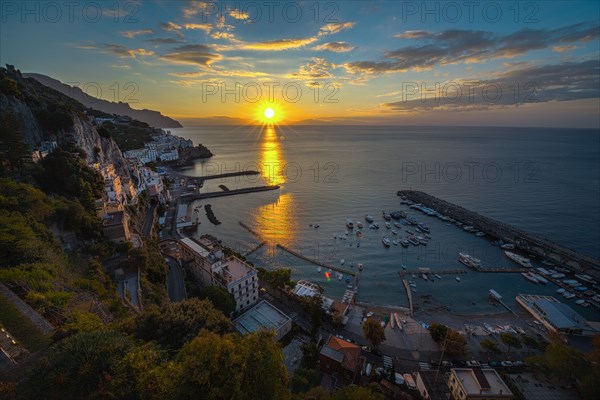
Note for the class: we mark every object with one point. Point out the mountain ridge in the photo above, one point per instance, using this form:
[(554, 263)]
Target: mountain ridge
[(151, 117)]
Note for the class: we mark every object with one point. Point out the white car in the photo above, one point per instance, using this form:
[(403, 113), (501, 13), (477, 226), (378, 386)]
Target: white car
[(506, 363)]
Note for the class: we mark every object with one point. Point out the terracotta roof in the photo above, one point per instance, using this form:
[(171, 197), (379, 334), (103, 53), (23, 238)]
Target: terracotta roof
[(350, 351)]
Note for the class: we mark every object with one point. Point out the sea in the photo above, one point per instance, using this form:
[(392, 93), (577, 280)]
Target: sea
[(545, 181)]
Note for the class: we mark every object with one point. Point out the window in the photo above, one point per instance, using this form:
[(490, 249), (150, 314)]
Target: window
[(254, 298), (248, 302), (240, 286)]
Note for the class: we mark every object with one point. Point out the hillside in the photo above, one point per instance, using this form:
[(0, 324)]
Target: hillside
[(151, 117)]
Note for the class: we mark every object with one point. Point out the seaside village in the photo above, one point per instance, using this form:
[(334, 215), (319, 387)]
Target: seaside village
[(345, 356)]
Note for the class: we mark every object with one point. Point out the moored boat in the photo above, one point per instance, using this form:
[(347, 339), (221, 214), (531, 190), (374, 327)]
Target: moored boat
[(530, 277), (469, 260), (349, 224), (386, 242), (368, 218), (522, 261)]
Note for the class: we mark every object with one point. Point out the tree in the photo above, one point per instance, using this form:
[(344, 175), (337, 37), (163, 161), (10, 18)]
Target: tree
[(303, 380), (352, 392), (530, 342), (373, 332), (175, 324), (455, 343), (80, 366), (312, 305), (489, 345), (510, 340), (219, 297), (232, 367), (438, 332)]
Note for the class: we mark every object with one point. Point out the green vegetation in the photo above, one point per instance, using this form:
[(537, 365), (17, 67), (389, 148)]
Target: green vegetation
[(277, 278), (175, 324), (489, 345), (511, 341), (128, 137), (453, 343), (21, 327), (223, 300), (373, 332), (562, 362)]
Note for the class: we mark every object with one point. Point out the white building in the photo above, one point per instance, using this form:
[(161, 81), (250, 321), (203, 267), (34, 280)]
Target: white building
[(169, 155), (477, 383)]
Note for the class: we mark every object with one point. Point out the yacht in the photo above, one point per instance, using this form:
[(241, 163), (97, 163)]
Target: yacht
[(422, 240), (469, 260), (368, 218), (394, 232), (386, 216), (424, 276), (404, 242), (522, 261), (386, 242), (560, 291), (388, 225), (540, 278), (585, 278), (557, 276), (507, 246), (424, 228), (395, 242), (579, 302), (438, 276), (413, 241), (480, 234), (568, 295), (349, 224), (457, 279), (530, 277)]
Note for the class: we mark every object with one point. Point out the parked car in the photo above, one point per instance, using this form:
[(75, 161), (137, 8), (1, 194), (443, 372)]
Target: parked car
[(399, 379), (447, 363), (518, 364), (473, 363), (506, 363), (367, 349)]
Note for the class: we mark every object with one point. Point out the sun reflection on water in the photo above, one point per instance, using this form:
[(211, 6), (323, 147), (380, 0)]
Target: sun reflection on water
[(275, 221)]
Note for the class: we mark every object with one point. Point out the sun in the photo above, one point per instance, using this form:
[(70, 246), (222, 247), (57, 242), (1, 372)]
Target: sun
[(269, 113)]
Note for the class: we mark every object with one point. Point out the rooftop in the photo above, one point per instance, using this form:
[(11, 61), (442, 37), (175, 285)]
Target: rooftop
[(195, 246), (481, 381), (113, 218), (559, 315), (234, 269), (262, 315), (350, 352)]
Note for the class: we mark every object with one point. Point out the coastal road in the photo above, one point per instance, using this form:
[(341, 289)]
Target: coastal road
[(149, 221), (175, 281)]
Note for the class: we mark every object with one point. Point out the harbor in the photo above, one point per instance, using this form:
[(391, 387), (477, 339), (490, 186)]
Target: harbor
[(536, 246)]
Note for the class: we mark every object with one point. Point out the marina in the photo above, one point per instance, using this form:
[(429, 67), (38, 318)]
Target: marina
[(522, 240)]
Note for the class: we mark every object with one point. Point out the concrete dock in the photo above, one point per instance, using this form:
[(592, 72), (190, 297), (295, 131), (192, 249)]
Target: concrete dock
[(207, 195), (531, 244)]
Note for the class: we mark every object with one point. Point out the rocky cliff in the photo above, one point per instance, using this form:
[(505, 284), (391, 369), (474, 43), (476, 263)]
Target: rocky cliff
[(45, 114), (151, 117)]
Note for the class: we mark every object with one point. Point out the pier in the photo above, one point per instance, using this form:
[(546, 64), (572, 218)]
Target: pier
[(252, 231), (319, 263), (430, 272), (409, 295), (524, 241), (255, 248), (501, 269), (207, 195)]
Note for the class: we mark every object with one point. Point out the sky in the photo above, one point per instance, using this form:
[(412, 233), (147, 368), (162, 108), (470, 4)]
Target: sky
[(388, 62)]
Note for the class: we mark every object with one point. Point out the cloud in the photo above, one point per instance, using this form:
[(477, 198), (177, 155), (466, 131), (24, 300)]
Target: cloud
[(194, 7), (170, 26), (239, 15), (119, 50), (336, 47), (468, 46), (561, 49), (293, 43), (529, 84), (132, 34), (204, 27), (165, 40), (192, 54), (333, 28), (220, 73), (279, 44)]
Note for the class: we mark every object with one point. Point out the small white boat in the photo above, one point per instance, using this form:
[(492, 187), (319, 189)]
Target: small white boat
[(568, 295), (424, 276), (457, 279), (394, 232), (404, 267), (388, 225), (438, 276), (368, 218), (386, 242), (507, 246), (395, 242), (342, 261), (319, 269), (560, 291), (392, 321), (360, 267), (530, 277)]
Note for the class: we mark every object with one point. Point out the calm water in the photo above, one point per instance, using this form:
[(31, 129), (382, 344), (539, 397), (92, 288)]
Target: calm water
[(545, 181)]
